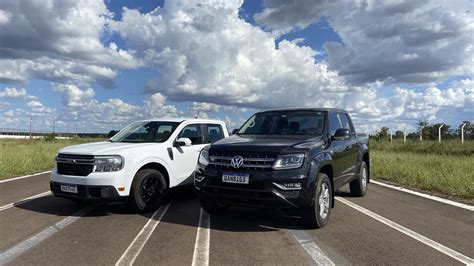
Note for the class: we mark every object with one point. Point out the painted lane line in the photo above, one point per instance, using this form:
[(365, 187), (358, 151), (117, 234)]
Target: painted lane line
[(134, 249), (441, 248), (31, 242), (315, 252), (8, 206), (21, 177), (201, 247), (427, 196)]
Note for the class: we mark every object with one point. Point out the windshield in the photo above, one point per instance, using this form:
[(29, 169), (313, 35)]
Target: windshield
[(146, 131), (285, 123)]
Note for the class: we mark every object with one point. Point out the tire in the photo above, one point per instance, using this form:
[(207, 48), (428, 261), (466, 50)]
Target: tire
[(317, 215), (213, 206), (359, 185), (147, 191)]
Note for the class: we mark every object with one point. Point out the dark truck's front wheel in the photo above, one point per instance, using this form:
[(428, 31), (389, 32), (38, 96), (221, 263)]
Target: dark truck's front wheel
[(317, 215)]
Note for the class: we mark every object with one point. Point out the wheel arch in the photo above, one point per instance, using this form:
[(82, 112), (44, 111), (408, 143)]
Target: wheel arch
[(322, 163), (157, 166)]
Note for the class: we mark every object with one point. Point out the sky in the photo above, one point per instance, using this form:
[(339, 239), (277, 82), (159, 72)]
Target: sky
[(93, 66)]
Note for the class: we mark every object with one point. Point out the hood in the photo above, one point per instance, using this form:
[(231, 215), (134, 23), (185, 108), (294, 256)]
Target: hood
[(267, 143), (103, 148)]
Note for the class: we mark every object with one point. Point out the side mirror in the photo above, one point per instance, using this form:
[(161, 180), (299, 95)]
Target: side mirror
[(183, 142), (341, 134), (235, 131)]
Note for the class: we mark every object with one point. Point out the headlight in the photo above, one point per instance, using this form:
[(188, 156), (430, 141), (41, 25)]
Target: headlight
[(108, 163), (288, 161), (204, 157)]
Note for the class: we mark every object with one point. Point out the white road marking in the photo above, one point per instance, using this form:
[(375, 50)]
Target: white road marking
[(132, 252), (201, 247), (305, 240), (441, 248), (8, 206), (31, 242), (21, 177), (450, 202)]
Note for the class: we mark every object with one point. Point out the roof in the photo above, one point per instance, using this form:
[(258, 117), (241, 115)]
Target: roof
[(179, 120), (304, 109)]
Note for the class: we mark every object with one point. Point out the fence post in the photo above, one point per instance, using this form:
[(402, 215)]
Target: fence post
[(405, 135), (462, 133), (390, 136), (421, 133), (439, 133)]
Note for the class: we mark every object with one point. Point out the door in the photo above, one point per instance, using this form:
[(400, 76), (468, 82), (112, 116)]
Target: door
[(338, 151), (351, 148), (185, 157)]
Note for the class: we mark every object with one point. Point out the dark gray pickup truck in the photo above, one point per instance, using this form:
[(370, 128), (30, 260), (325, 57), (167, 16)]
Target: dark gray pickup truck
[(285, 158)]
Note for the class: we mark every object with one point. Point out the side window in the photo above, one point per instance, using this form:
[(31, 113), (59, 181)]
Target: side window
[(343, 119), (334, 123), (192, 132), (214, 132), (349, 121)]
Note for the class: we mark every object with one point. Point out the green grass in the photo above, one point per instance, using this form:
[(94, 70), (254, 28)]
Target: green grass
[(446, 168), (24, 156)]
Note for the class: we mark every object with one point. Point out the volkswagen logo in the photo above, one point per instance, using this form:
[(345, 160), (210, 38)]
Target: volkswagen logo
[(237, 161)]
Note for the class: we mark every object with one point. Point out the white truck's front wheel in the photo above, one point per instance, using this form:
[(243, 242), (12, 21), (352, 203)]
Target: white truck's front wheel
[(148, 190)]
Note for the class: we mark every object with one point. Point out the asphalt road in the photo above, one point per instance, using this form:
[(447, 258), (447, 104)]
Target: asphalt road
[(385, 227)]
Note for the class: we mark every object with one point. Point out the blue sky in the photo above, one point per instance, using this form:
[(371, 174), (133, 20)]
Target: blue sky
[(228, 59)]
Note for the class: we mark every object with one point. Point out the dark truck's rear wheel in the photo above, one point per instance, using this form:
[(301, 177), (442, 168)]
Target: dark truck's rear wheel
[(213, 206), (359, 186), (317, 215), (148, 190)]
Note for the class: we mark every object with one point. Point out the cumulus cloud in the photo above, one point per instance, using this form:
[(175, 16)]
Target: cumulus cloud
[(58, 41), (416, 42), (14, 93), (206, 53)]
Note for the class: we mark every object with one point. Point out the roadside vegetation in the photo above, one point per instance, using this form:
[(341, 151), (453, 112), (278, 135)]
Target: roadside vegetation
[(26, 156), (443, 168)]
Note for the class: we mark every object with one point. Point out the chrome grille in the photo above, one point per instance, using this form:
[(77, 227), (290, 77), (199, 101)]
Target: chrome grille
[(251, 161)]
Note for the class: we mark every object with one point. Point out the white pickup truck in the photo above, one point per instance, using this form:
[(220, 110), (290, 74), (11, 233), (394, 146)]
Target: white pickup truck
[(137, 165)]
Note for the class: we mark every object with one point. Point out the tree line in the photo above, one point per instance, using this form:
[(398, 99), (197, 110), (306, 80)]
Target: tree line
[(430, 131)]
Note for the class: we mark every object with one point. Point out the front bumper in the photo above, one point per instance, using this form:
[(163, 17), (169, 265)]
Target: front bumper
[(89, 193), (262, 190), (103, 179)]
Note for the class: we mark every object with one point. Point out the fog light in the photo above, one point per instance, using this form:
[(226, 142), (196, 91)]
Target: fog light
[(199, 177), (288, 185)]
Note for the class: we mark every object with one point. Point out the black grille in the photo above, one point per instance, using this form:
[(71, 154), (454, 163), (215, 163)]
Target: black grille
[(252, 160), (72, 164)]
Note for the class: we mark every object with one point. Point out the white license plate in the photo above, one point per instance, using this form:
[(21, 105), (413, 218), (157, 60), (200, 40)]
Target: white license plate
[(69, 188), (237, 178)]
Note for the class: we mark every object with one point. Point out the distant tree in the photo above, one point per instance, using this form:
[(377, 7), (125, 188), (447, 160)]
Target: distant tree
[(424, 128), (468, 130), (383, 133), (112, 133), (399, 134)]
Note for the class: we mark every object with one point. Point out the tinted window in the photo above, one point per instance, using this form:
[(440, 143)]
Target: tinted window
[(145, 131), (192, 132), (334, 123), (285, 123), (351, 126), (344, 122), (214, 132)]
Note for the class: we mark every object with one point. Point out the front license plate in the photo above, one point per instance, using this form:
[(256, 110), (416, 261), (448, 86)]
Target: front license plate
[(69, 188), (237, 178)]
